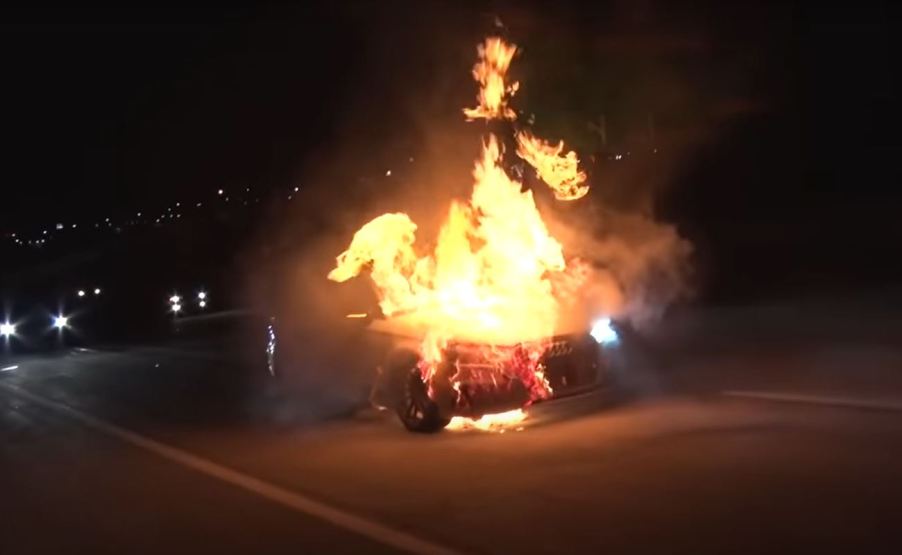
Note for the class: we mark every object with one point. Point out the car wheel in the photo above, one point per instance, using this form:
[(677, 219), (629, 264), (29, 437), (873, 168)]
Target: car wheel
[(416, 410)]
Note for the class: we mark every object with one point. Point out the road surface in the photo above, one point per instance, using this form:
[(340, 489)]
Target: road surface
[(734, 449)]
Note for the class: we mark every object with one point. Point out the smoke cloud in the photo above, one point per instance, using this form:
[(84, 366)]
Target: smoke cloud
[(634, 267)]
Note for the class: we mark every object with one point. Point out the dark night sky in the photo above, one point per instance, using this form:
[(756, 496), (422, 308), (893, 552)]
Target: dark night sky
[(108, 110), (105, 109)]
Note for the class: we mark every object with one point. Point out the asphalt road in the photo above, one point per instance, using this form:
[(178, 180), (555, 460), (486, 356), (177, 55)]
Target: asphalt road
[(788, 446)]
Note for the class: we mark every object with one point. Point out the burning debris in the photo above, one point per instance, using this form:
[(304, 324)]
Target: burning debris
[(498, 422), (489, 297)]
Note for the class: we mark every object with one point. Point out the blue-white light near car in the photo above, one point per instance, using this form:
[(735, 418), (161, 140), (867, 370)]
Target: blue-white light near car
[(60, 321), (603, 331), (271, 347), (7, 329)]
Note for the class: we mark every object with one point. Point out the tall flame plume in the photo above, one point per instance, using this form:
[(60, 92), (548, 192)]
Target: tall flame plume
[(490, 71)]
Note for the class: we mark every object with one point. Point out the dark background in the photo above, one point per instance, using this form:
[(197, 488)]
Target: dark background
[(775, 129)]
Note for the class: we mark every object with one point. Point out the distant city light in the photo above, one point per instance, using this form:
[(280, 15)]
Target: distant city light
[(176, 308), (175, 299), (388, 173), (81, 292), (59, 226), (296, 189), (7, 329), (202, 304), (60, 321), (219, 192), (202, 295), (97, 290)]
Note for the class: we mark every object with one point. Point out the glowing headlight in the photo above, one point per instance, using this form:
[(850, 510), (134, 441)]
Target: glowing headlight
[(202, 295), (176, 307), (81, 292), (7, 329), (202, 304), (603, 331), (60, 322), (175, 299)]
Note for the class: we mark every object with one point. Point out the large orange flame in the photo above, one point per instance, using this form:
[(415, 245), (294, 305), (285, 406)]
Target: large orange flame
[(560, 172), (488, 279), (490, 71)]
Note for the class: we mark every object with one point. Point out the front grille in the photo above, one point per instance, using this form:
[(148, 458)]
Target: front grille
[(558, 349)]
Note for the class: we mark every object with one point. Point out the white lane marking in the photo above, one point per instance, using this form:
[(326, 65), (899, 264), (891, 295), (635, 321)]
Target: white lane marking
[(8, 368), (357, 524), (845, 402)]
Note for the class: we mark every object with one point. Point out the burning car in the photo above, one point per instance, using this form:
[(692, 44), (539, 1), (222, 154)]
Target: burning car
[(482, 321), (484, 385)]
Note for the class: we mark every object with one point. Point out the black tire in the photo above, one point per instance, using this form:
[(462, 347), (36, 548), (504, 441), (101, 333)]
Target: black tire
[(416, 410)]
